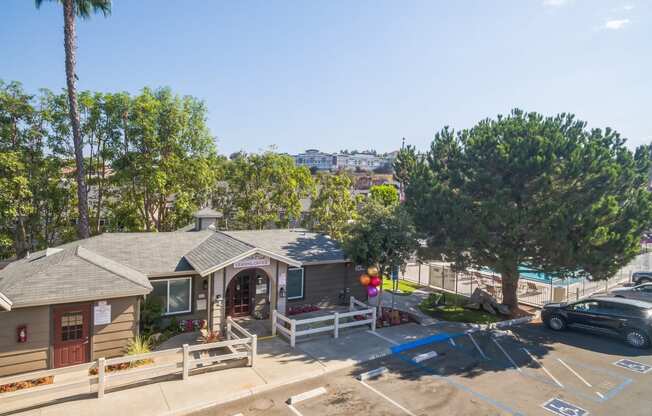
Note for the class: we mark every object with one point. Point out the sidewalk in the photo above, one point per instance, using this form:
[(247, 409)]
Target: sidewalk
[(409, 303), (276, 365)]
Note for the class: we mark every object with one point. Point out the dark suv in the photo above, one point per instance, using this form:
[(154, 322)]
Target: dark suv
[(641, 277), (628, 319)]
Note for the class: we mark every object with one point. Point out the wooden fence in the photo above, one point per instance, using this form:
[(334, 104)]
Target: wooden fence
[(96, 377), (291, 328)]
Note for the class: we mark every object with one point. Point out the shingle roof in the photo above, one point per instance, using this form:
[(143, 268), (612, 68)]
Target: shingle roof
[(73, 274), (215, 250), (297, 244), (148, 253)]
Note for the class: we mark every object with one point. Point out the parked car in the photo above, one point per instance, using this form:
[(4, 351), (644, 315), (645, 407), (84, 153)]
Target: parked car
[(641, 277), (628, 319), (640, 292)]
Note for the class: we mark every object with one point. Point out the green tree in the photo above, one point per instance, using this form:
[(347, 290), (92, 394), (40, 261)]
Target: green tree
[(334, 206), (385, 194), (168, 164), (71, 10), (383, 236), (405, 162), (15, 205), (267, 188), (527, 190)]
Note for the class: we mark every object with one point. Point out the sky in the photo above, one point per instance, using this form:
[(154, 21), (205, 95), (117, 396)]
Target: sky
[(343, 74)]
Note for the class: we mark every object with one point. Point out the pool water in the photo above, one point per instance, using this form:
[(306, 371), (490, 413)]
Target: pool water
[(540, 277)]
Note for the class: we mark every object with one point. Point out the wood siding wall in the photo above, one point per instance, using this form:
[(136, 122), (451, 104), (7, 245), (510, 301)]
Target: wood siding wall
[(32, 355), (111, 340), (324, 283)]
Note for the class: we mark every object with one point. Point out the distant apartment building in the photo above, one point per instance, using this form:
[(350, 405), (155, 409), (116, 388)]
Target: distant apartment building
[(315, 159)]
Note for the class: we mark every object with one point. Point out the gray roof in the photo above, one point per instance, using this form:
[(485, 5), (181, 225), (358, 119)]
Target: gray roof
[(297, 244), (215, 250), (118, 264), (73, 274), (148, 253)]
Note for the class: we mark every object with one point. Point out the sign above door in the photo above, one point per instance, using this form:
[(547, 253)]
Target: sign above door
[(255, 260)]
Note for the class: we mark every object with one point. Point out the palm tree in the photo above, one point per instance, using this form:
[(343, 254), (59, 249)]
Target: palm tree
[(72, 9)]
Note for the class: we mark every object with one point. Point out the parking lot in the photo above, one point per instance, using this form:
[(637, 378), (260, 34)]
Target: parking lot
[(527, 370)]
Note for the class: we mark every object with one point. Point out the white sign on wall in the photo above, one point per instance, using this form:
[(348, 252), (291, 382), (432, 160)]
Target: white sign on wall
[(255, 260), (102, 313)]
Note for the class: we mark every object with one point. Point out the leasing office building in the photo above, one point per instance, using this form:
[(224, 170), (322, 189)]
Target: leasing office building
[(80, 301)]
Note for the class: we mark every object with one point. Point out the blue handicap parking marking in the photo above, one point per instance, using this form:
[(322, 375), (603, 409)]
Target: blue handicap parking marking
[(633, 366), (562, 408)]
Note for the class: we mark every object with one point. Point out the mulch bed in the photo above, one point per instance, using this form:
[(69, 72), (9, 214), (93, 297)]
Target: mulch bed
[(6, 388), (122, 366)]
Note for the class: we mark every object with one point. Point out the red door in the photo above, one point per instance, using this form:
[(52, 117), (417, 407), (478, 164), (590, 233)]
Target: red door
[(238, 296), (71, 335)]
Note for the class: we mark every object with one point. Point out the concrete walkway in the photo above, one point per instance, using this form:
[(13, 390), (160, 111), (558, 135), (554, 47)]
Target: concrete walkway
[(409, 303), (276, 365)]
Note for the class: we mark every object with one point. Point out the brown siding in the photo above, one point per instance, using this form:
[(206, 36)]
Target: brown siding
[(323, 284), (111, 340), (32, 355)]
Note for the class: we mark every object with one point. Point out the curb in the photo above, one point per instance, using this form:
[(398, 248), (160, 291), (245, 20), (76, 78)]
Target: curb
[(266, 387)]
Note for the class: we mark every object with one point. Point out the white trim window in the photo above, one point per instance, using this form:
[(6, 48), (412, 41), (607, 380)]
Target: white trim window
[(295, 283), (175, 294)]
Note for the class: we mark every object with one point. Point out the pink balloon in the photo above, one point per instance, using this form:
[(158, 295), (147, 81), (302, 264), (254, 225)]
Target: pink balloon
[(372, 291), (375, 281)]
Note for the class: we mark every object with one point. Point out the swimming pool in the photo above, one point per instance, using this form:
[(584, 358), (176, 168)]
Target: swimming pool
[(540, 277)]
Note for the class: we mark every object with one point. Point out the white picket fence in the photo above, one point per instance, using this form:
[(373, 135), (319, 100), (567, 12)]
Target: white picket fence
[(77, 380), (332, 322)]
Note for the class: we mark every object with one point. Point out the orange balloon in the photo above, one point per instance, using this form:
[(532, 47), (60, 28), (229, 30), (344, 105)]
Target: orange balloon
[(364, 279), (372, 271)]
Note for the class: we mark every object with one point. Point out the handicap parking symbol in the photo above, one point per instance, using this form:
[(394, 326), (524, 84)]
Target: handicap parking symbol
[(634, 366), (562, 408)]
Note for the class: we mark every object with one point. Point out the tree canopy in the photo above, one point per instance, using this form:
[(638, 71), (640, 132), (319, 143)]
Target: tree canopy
[(334, 206), (382, 236), (523, 189), (384, 194)]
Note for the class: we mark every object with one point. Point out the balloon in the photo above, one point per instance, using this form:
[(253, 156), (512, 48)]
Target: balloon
[(372, 271), (364, 280), (375, 281), (372, 291)]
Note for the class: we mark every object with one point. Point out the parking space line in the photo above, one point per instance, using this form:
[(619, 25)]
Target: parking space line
[(574, 372), (389, 399), (477, 346), (507, 355), (543, 368), (452, 342), (294, 410), (391, 341)]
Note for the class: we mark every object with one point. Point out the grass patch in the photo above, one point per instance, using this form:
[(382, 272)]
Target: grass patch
[(448, 307), (404, 287)]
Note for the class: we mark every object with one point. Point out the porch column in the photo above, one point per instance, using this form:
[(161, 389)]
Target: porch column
[(218, 300)]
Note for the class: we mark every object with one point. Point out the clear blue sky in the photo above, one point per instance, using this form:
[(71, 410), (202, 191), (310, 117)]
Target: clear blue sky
[(353, 74)]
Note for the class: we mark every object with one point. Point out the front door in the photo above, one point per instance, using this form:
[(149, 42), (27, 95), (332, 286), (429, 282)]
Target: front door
[(238, 296), (71, 334)]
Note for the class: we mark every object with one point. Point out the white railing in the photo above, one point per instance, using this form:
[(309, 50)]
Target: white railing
[(239, 344), (332, 322)]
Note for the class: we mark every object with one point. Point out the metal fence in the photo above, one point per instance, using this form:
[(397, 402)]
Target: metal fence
[(440, 276)]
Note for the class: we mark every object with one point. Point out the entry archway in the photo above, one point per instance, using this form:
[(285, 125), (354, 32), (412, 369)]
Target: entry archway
[(248, 294)]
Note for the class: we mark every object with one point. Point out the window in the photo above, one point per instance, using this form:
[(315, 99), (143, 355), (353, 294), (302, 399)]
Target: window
[(295, 283), (72, 324), (589, 306), (174, 294)]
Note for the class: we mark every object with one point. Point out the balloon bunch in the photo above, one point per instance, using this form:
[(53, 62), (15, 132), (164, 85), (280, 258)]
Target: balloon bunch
[(371, 280)]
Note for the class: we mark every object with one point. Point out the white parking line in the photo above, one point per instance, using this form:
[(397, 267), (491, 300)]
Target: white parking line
[(543, 368), (507, 355), (407, 411), (391, 341), (425, 356), (477, 346), (452, 341), (574, 372), (303, 396)]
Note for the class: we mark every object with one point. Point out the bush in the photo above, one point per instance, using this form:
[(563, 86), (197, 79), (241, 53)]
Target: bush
[(151, 315)]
